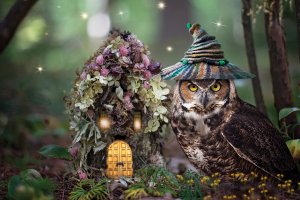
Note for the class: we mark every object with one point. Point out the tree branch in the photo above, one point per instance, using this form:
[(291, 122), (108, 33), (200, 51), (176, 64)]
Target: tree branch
[(12, 20), (297, 8), (249, 43)]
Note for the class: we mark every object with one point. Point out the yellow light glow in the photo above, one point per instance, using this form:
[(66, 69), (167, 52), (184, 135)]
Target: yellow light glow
[(39, 68), (169, 48), (104, 122), (84, 15), (137, 121), (161, 5), (218, 24)]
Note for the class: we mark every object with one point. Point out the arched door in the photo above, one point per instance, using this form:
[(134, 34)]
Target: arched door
[(119, 160)]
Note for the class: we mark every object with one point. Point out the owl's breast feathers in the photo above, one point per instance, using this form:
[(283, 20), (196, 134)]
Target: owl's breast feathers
[(238, 139), (255, 139)]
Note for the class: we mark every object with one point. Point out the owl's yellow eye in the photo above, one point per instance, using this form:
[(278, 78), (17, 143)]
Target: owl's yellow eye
[(193, 87), (216, 87)]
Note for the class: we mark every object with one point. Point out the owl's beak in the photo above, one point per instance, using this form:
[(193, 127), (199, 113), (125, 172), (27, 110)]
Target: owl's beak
[(204, 100)]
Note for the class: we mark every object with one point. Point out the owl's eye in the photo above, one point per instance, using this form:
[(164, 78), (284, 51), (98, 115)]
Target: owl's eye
[(193, 87), (216, 87)]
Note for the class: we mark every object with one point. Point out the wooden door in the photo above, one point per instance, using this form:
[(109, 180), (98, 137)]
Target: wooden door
[(119, 160)]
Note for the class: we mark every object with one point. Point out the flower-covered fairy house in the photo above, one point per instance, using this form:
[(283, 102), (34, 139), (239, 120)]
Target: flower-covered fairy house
[(118, 107)]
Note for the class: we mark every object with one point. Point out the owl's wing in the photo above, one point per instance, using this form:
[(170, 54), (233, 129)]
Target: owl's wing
[(255, 139)]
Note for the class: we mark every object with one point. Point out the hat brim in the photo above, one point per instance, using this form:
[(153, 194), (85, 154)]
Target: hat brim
[(202, 70)]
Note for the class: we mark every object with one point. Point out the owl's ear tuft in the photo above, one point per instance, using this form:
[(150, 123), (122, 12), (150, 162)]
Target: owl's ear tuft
[(232, 94)]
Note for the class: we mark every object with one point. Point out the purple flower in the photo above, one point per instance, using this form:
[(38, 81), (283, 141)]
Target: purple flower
[(123, 51), (83, 75), (88, 66), (117, 70), (95, 67), (139, 66), (100, 60), (146, 60), (154, 67), (104, 72), (147, 74), (106, 51), (82, 175), (146, 85)]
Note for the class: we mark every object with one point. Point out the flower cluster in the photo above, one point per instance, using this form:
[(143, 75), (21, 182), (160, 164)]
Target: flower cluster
[(125, 54)]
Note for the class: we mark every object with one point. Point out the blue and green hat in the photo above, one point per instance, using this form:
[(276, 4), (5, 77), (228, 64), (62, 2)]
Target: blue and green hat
[(203, 60)]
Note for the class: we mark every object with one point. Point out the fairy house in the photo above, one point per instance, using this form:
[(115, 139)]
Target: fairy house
[(118, 107)]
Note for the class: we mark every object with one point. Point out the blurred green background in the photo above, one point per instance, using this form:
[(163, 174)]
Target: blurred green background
[(55, 39)]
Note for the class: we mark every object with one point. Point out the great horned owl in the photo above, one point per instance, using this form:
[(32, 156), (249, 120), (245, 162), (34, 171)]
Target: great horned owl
[(221, 133)]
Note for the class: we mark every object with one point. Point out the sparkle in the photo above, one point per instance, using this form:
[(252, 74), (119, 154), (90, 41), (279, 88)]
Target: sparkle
[(58, 6), (84, 15), (121, 13), (46, 33), (169, 48), (218, 24), (161, 5), (39, 68)]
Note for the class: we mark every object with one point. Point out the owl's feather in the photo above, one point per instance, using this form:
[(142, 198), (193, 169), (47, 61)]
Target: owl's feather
[(255, 139)]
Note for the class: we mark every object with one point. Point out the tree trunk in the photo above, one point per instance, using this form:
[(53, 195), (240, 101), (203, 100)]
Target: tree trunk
[(279, 62), (14, 17), (246, 21), (297, 8)]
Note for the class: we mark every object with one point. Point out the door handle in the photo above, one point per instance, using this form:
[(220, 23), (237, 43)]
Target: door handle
[(120, 163)]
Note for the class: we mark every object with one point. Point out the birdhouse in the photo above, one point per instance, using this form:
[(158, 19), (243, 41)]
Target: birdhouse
[(118, 107)]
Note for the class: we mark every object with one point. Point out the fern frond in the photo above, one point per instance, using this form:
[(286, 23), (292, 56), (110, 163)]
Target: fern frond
[(87, 190)]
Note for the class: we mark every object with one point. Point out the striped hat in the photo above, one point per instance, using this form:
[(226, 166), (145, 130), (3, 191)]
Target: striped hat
[(203, 60)]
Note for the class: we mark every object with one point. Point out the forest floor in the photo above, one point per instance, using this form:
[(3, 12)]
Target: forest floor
[(24, 155)]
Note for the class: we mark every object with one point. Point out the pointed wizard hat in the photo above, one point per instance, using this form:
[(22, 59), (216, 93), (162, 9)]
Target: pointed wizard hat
[(203, 60)]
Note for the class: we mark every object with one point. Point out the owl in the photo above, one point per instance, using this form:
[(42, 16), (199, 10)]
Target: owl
[(219, 132)]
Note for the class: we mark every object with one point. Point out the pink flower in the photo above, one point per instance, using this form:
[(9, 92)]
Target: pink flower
[(104, 72), (146, 85), (82, 174), (83, 75), (127, 101), (74, 150), (90, 113), (123, 51), (146, 60), (129, 106), (100, 60), (147, 74), (127, 98)]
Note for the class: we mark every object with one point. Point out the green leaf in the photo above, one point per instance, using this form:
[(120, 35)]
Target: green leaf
[(100, 145), (162, 109), (287, 111), (119, 93), (294, 147), (55, 151), (13, 183)]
